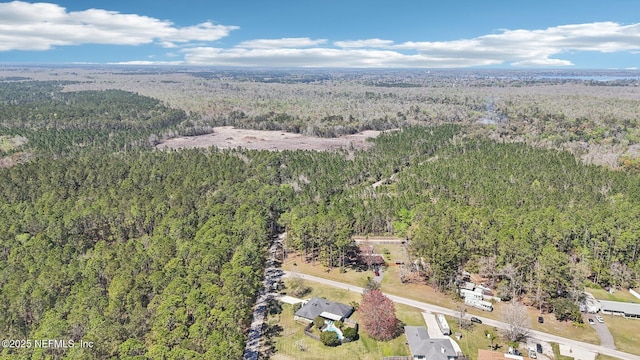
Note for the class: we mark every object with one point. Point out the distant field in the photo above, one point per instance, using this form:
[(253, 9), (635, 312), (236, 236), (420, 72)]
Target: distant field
[(228, 137)]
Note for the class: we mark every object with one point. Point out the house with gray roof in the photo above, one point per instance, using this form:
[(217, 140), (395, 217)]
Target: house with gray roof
[(323, 308), (626, 309), (423, 347)]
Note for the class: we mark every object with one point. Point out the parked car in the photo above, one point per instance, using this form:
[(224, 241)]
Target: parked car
[(514, 351), (540, 319), (476, 320), (600, 319), (532, 354), (539, 348), (591, 322)]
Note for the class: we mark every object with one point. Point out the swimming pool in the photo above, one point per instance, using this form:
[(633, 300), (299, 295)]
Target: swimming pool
[(331, 327)]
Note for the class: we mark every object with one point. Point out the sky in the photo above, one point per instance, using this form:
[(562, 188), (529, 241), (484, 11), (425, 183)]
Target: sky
[(566, 34)]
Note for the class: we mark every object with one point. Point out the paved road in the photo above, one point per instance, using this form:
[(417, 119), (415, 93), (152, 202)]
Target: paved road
[(271, 276), (434, 308)]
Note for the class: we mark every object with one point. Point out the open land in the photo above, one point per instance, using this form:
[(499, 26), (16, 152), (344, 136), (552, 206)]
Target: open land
[(228, 137)]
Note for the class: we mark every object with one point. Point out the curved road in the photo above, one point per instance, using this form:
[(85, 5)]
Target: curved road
[(434, 308)]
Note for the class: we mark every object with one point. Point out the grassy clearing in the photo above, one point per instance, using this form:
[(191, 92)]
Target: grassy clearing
[(295, 263), (625, 333), (618, 295), (580, 332), (10, 143)]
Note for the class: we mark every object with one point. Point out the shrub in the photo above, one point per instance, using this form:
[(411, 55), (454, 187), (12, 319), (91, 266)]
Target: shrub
[(318, 322), (565, 309), (350, 333), (296, 307), (329, 338)]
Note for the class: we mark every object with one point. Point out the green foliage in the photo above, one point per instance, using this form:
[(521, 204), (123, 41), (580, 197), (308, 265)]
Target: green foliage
[(350, 333), (162, 253), (296, 307), (566, 310), (61, 123), (329, 338), (354, 304), (318, 322)]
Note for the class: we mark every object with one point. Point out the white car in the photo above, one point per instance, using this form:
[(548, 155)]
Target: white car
[(532, 354), (600, 319)]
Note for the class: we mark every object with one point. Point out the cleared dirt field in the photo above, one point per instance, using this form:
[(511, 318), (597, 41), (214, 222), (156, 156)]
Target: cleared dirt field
[(229, 137)]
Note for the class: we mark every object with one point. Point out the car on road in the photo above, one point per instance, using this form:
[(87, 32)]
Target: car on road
[(600, 319), (539, 348), (476, 320), (591, 322)]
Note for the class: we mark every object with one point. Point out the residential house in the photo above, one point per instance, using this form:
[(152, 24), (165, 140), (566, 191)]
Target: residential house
[(324, 308), (423, 347)]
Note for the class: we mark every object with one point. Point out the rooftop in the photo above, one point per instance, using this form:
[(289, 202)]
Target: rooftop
[(323, 307), (621, 307), (422, 345)]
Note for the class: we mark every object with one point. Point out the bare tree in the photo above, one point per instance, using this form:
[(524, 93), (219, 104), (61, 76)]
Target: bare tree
[(518, 322), (488, 268), (510, 272)]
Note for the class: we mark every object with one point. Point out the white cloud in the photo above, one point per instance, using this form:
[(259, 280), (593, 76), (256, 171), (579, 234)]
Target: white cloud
[(42, 26), (520, 47), (319, 57), (368, 43), (280, 43)]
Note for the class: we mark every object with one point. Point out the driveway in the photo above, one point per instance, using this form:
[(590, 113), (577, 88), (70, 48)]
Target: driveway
[(606, 339)]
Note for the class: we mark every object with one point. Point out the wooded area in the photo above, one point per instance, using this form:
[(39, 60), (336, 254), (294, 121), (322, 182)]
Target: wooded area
[(160, 253)]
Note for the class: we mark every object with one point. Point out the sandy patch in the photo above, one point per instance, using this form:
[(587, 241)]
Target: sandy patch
[(227, 137)]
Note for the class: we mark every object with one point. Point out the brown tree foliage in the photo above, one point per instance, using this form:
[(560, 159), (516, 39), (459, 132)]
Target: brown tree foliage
[(378, 315)]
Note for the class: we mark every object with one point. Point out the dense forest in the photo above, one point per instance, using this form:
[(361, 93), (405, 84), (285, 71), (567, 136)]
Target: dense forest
[(159, 254)]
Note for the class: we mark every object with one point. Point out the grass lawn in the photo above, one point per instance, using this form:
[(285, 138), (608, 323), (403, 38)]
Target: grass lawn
[(474, 338), (618, 295), (625, 333), (580, 332), (605, 357), (556, 351)]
